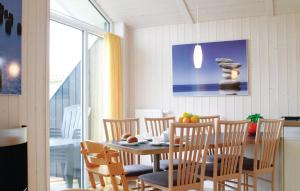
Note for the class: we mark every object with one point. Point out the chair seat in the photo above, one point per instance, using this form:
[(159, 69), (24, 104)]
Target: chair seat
[(159, 178), (137, 169), (209, 171), (210, 158), (249, 164), (164, 164)]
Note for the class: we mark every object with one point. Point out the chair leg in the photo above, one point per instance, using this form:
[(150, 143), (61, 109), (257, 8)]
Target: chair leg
[(247, 182), (142, 185), (137, 183), (92, 180), (273, 181), (221, 187), (124, 183), (102, 182), (254, 183), (215, 186), (238, 184), (114, 183)]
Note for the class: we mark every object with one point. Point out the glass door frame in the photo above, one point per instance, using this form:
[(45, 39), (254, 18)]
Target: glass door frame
[(86, 30)]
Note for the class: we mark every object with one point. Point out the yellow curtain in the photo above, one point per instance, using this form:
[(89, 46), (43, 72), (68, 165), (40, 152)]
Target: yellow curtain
[(114, 76)]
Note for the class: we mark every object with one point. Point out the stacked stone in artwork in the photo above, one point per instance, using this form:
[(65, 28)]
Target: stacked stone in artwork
[(230, 72)]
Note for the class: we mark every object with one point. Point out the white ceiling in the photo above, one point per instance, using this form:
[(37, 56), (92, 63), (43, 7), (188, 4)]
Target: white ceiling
[(147, 13)]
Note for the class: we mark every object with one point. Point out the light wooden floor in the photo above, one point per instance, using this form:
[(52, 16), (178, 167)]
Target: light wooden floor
[(58, 184)]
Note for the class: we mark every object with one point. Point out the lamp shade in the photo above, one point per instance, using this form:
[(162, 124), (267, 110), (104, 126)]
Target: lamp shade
[(198, 56)]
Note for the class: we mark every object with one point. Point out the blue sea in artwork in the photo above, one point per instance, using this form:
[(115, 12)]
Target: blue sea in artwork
[(206, 89), (10, 46), (223, 72)]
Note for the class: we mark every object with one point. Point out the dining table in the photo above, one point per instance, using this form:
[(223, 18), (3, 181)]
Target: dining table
[(156, 150)]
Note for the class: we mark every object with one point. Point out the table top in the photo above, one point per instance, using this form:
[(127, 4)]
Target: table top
[(140, 149), (147, 148)]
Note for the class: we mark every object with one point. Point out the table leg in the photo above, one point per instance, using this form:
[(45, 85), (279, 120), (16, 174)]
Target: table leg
[(156, 161)]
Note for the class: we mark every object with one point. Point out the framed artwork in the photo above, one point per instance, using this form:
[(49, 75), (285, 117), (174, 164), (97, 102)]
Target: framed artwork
[(10, 46), (220, 68)]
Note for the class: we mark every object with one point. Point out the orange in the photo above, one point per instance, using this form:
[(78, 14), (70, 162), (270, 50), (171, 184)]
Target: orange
[(180, 120), (186, 120), (194, 119)]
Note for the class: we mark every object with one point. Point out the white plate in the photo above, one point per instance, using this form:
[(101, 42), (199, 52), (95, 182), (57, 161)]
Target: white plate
[(143, 142), (155, 144), (125, 143), (168, 143)]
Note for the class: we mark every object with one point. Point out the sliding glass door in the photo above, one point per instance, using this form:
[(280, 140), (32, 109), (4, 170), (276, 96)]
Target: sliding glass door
[(66, 48), (75, 94)]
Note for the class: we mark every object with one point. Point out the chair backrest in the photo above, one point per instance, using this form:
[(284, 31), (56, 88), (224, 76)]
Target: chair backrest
[(90, 148), (72, 122), (266, 142), (192, 153), (96, 154), (115, 128), (231, 145), (209, 119), (155, 126)]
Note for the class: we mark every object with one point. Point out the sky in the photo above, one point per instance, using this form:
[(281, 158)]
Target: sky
[(210, 73), (10, 47)]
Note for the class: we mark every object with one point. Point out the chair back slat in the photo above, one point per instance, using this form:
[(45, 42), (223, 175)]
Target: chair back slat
[(266, 142), (193, 149), (231, 145), (155, 127), (115, 128)]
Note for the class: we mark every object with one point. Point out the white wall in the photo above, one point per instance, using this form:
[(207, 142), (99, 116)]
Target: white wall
[(274, 67), (31, 108)]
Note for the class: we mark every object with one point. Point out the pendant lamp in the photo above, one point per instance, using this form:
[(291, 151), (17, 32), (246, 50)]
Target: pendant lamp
[(198, 55)]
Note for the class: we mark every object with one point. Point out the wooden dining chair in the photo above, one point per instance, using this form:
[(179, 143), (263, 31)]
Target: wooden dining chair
[(229, 152), (192, 152), (103, 162), (155, 127), (114, 129), (267, 141)]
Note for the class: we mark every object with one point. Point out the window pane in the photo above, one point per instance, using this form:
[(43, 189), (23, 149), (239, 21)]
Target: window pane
[(82, 10), (65, 106)]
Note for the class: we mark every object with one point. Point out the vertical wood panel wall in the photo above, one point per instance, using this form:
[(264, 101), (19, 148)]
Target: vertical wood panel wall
[(273, 63), (31, 108)]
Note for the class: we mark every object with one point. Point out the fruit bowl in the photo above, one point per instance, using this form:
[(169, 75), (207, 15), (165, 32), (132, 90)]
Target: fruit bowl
[(188, 118)]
